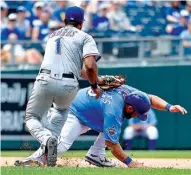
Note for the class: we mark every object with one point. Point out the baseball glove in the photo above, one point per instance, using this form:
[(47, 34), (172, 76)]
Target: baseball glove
[(107, 82)]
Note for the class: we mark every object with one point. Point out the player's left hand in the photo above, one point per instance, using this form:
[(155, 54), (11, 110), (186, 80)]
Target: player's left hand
[(97, 91), (178, 108)]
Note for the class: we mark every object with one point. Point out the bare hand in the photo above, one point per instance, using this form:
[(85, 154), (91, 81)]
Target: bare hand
[(178, 108), (135, 164), (97, 91)]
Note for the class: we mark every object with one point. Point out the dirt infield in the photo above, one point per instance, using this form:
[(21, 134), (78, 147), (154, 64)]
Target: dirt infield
[(80, 162)]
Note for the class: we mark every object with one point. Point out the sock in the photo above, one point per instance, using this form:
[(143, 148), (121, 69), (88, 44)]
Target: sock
[(152, 145), (128, 144), (99, 146)]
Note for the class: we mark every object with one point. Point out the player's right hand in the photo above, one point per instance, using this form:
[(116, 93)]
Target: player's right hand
[(97, 91), (178, 108)]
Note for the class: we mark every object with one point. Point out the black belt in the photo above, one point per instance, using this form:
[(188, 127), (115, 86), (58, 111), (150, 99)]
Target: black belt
[(46, 71)]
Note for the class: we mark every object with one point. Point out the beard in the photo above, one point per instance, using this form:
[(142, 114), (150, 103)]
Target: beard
[(127, 115)]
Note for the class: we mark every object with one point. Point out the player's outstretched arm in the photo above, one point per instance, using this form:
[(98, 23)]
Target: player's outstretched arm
[(92, 74), (118, 152), (160, 104)]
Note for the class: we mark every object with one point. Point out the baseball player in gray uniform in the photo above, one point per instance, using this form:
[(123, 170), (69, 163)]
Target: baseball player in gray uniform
[(57, 83)]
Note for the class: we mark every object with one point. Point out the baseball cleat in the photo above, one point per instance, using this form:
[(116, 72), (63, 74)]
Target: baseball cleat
[(99, 161), (51, 151), (31, 163)]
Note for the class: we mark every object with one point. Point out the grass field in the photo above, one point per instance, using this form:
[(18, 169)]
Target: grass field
[(99, 171), (91, 171), (135, 154)]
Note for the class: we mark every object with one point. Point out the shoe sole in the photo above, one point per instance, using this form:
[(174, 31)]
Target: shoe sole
[(51, 152), (94, 162), (31, 163)]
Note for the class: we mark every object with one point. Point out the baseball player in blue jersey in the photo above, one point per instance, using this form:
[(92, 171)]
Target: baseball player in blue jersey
[(106, 115)]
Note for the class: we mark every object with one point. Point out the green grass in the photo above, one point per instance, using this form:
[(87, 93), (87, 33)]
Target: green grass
[(135, 154), (91, 171)]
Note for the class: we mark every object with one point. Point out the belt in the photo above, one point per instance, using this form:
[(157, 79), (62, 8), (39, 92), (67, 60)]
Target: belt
[(46, 71)]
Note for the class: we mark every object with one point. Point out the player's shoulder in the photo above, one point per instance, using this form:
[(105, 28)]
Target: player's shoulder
[(84, 34), (128, 89)]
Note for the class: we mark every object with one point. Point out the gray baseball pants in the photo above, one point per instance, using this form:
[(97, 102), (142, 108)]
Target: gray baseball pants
[(48, 90)]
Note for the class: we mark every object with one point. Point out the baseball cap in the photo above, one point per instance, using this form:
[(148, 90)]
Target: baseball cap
[(39, 4), (21, 9), (140, 102), (103, 5), (74, 14), (12, 17), (3, 5)]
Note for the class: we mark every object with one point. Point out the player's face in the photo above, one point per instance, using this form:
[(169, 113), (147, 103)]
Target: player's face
[(129, 112)]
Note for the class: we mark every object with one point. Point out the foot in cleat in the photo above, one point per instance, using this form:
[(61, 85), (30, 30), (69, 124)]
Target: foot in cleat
[(31, 163), (99, 161), (51, 151)]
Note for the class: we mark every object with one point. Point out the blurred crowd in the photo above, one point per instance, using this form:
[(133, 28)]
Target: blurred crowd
[(34, 20)]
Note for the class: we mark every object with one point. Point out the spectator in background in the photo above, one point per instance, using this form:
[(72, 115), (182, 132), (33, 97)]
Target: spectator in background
[(186, 36), (118, 19), (3, 17), (11, 28), (87, 15), (20, 55), (59, 14), (139, 128), (35, 17), (22, 23), (188, 8), (40, 31), (177, 29), (18, 51), (29, 5), (100, 20), (173, 12)]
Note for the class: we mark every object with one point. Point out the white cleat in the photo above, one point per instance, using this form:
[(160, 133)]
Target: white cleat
[(99, 161)]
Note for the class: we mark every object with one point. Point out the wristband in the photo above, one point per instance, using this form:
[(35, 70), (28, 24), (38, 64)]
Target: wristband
[(167, 107), (127, 161), (94, 86)]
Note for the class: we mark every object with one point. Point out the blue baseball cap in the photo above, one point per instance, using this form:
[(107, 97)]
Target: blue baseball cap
[(74, 14), (140, 102)]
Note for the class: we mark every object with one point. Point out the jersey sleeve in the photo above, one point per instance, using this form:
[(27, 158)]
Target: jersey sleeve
[(113, 118), (112, 128), (90, 48)]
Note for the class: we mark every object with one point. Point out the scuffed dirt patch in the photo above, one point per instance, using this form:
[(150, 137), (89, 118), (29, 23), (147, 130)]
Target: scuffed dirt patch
[(80, 162)]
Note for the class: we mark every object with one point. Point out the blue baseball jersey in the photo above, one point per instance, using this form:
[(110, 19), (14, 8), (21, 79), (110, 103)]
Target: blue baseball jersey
[(104, 114), (178, 29), (6, 32), (100, 22), (43, 31)]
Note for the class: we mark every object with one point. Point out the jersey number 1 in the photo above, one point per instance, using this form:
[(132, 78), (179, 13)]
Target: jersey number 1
[(58, 46)]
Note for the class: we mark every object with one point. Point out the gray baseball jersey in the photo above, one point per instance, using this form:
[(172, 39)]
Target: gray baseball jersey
[(64, 53), (66, 49)]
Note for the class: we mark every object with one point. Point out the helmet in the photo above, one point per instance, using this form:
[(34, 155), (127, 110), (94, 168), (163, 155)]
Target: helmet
[(140, 102)]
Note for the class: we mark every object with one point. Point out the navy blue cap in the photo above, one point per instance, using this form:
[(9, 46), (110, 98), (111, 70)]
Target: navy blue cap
[(21, 9), (140, 102), (74, 14)]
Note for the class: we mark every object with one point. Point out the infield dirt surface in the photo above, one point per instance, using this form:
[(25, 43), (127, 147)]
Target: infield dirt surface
[(80, 162)]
